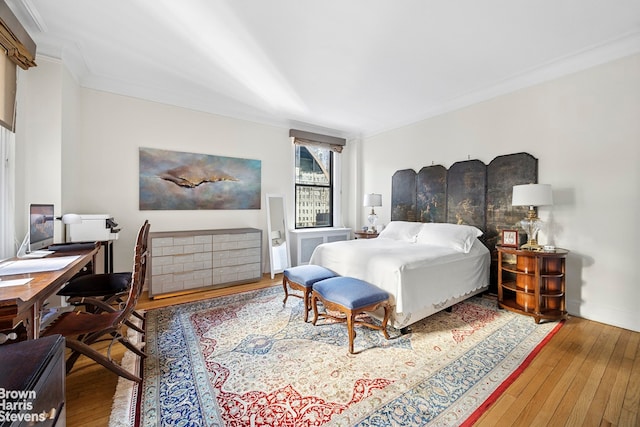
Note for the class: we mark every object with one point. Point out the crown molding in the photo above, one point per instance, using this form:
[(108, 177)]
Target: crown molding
[(27, 14)]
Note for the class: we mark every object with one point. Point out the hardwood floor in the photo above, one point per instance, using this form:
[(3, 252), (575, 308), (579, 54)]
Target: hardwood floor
[(587, 375)]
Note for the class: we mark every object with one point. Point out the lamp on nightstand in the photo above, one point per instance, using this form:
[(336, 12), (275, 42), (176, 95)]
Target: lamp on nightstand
[(532, 195), (372, 200)]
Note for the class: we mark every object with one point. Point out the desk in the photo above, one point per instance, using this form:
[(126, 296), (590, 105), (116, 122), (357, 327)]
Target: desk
[(23, 303)]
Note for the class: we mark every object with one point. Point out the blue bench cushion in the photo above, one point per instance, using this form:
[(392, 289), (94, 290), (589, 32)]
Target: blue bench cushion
[(307, 275), (350, 292)]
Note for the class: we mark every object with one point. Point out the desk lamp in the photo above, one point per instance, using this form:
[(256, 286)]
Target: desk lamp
[(70, 219), (532, 195)]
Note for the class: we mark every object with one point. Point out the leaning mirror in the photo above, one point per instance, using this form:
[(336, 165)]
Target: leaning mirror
[(277, 233)]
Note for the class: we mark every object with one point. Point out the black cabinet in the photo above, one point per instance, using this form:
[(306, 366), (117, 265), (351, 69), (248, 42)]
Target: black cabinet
[(32, 378)]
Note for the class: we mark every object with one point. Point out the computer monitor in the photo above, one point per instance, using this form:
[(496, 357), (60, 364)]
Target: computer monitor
[(41, 219)]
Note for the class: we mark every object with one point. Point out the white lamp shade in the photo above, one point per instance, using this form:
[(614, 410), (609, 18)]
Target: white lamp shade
[(372, 200), (532, 195)]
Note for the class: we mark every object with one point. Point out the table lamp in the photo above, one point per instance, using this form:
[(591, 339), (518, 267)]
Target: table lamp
[(372, 200), (532, 195)]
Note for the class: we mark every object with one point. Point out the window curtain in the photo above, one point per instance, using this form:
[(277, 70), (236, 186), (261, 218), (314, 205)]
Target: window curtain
[(8, 85), (17, 49), (7, 186), (300, 137), (20, 47)]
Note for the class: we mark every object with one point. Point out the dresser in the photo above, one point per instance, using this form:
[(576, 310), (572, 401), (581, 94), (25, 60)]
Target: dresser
[(189, 261), (32, 383)]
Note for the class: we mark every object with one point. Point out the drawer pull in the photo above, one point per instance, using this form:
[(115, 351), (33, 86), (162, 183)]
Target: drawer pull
[(52, 414), (6, 337)]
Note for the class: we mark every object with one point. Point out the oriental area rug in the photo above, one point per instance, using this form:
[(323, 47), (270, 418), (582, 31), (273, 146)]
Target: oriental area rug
[(245, 360)]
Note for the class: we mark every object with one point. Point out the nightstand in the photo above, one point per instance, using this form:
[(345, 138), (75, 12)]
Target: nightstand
[(532, 282), (365, 234)]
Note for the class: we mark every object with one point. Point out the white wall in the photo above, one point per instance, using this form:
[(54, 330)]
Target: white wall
[(100, 134), (585, 131), (38, 142), (70, 127), (114, 127)]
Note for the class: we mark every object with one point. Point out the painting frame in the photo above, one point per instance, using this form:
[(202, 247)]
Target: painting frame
[(510, 238), (176, 180)]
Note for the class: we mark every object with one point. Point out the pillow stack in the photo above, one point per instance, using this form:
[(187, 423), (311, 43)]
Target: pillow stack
[(459, 237)]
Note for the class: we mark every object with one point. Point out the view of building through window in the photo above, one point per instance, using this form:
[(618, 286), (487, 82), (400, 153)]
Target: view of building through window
[(313, 187)]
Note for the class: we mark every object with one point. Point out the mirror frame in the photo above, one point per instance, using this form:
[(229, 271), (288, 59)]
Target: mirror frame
[(271, 200)]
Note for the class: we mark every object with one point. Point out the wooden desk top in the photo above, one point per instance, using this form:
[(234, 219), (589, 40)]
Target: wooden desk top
[(16, 301)]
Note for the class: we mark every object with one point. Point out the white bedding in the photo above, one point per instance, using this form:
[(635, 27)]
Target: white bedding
[(421, 278)]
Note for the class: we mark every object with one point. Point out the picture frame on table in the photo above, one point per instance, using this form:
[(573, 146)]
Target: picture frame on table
[(510, 238)]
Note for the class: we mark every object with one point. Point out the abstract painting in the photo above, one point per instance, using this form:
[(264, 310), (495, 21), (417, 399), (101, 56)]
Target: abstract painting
[(174, 180)]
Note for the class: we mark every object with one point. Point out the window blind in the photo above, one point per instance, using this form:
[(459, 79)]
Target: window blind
[(20, 48), (16, 49), (300, 137)]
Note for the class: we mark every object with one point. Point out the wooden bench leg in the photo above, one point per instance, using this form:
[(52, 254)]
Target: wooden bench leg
[(307, 301), (352, 333), (314, 304), (286, 291), (350, 315), (306, 295), (385, 320)]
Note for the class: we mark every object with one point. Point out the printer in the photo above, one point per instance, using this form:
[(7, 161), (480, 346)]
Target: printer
[(93, 228)]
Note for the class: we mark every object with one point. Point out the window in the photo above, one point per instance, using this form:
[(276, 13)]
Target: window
[(314, 186), (317, 172)]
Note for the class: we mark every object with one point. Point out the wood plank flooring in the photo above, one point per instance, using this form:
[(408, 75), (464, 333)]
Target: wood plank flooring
[(587, 375)]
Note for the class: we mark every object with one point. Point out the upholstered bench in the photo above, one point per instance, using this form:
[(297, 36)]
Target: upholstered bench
[(351, 297), (302, 278)]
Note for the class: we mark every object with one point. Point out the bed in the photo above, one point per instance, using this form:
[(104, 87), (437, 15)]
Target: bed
[(426, 267), (439, 248)]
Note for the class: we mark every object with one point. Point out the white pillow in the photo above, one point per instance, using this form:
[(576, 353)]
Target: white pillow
[(401, 230), (456, 236)]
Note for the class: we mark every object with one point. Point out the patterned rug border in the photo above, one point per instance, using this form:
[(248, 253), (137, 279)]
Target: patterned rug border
[(511, 379), (127, 401)]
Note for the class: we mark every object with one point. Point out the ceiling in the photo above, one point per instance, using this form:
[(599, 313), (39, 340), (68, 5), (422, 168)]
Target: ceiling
[(349, 68)]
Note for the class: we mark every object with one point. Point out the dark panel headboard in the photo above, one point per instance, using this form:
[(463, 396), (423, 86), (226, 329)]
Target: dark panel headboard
[(469, 192), (403, 195), (431, 190)]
